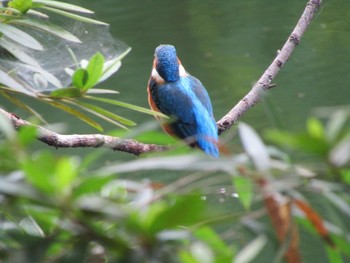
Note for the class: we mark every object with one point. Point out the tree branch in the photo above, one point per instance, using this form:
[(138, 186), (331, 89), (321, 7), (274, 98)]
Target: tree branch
[(84, 140), (134, 147), (264, 83)]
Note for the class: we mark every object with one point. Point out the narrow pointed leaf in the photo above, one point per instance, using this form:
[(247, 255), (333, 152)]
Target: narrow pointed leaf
[(77, 114), (102, 91), (127, 105), (48, 28), (18, 53), (65, 6), (20, 37), (107, 113), (8, 81), (74, 16), (66, 93), (22, 105)]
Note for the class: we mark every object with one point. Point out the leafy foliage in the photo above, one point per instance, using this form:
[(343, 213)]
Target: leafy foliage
[(79, 67), (59, 208)]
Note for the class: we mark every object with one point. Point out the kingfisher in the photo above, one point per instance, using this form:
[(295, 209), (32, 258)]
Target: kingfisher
[(175, 93)]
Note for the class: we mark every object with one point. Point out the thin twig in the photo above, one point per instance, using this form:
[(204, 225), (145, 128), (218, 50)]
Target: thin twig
[(134, 147)]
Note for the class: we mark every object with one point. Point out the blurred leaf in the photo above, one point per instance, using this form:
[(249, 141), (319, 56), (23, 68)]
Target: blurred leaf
[(27, 135), (302, 142), (339, 202), (18, 190), (333, 255), (94, 70), (65, 6), (345, 176), (40, 170), (21, 5), (244, 188), (315, 128), (20, 36), (340, 153), (173, 215), (335, 124), (65, 173), (74, 16), (70, 92), (31, 227), (46, 218), (80, 78), (224, 253), (254, 147), (251, 250), (47, 27)]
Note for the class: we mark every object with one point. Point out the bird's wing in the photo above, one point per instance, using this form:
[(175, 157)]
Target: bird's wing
[(201, 93)]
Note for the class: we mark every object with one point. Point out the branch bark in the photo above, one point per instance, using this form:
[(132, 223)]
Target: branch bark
[(134, 147)]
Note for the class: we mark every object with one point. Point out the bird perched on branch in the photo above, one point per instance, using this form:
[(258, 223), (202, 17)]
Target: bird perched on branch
[(182, 97)]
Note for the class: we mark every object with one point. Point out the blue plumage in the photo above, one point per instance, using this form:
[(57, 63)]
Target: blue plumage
[(175, 93)]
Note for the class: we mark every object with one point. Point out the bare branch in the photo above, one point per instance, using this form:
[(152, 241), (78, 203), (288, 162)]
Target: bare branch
[(85, 140), (137, 148), (264, 83)]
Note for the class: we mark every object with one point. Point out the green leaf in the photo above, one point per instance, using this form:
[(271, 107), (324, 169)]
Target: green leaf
[(27, 135), (244, 188), (77, 114), (65, 6), (66, 93), (173, 214), (66, 172), (21, 5), (334, 255), (315, 128), (48, 28), (127, 105), (80, 77), (39, 171), (74, 16), (20, 37), (94, 69)]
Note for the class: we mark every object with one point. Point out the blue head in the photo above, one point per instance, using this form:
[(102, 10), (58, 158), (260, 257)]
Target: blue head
[(167, 63)]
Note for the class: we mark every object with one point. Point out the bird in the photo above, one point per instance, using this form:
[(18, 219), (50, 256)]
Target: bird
[(183, 98)]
